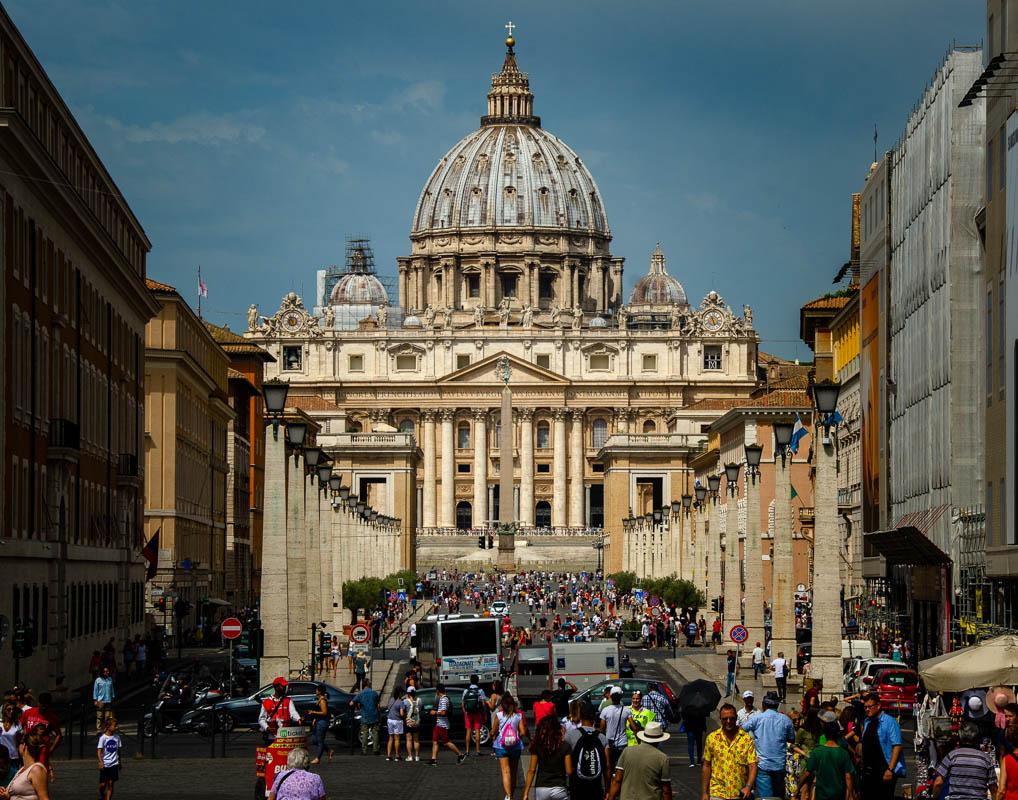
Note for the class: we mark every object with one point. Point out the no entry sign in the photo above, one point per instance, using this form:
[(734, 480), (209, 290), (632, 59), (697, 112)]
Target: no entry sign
[(359, 634), (231, 628), (738, 634)]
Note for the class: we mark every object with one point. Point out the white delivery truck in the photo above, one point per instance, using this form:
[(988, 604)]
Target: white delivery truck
[(583, 664)]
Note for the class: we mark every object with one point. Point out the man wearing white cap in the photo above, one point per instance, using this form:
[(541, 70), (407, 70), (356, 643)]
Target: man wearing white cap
[(642, 771), (748, 710), (614, 720)]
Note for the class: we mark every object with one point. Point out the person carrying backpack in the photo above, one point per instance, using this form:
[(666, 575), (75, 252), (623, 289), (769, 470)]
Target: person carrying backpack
[(508, 729), (474, 715), (590, 777)]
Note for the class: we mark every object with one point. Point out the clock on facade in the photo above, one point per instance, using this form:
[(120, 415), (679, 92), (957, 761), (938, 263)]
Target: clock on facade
[(713, 320)]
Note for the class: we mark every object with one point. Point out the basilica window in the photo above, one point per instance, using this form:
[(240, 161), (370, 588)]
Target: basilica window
[(599, 433), (543, 468), (543, 436), (406, 362), (509, 285), (650, 363), (712, 357), (546, 287), (293, 358), (600, 361), (356, 363), (462, 360), (406, 426), (544, 360), (473, 286), (650, 426), (463, 435), (353, 427)]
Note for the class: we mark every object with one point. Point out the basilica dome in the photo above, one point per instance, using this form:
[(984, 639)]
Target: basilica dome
[(511, 172), (358, 288), (657, 287)]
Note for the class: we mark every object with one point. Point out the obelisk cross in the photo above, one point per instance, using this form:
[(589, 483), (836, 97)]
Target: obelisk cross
[(509, 27)]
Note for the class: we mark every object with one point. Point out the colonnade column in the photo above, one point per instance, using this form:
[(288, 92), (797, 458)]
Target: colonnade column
[(558, 469), (782, 607), (527, 466), (576, 470), (480, 442), (296, 559), (733, 570), (753, 560), (699, 576), (428, 500), (447, 512), (275, 575)]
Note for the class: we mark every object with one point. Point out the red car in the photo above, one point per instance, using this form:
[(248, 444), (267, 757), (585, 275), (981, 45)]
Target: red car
[(897, 688)]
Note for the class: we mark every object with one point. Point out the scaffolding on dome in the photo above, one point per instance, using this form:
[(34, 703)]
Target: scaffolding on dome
[(360, 258)]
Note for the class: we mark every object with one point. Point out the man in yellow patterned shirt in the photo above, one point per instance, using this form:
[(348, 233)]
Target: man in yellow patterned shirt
[(729, 760)]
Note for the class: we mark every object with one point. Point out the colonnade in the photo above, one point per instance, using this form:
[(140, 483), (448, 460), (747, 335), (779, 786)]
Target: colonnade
[(568, 466)]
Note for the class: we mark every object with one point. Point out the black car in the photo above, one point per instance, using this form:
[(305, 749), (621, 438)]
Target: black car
[(243, 712)]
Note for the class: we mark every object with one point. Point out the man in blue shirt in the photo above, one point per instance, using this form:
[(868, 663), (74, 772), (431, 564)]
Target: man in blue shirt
[(102, 695), (772, 732), (366, 703), (882, 763)]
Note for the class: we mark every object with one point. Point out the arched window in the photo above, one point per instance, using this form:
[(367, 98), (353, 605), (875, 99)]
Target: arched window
[(543, 436), (353, 426), (542, 514), (599, 433), (463, 435), (464, 516), (650, 426), (406, 426)]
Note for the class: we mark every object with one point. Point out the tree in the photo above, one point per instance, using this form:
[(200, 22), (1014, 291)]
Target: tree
[(624, 581)]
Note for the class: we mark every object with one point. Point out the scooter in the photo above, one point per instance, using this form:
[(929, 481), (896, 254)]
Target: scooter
[(171, 706)]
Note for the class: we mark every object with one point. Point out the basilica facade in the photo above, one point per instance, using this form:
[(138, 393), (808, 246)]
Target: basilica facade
[(510, 254)]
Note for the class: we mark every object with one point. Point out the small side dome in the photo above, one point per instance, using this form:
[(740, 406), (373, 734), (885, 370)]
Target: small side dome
[(657, 287), (358, 288), (412, 321), (598, 322)]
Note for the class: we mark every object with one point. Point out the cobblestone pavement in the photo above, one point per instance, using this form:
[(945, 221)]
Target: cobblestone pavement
[(346, 777)]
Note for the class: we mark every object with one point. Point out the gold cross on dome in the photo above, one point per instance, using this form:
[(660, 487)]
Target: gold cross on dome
[(509, 27)]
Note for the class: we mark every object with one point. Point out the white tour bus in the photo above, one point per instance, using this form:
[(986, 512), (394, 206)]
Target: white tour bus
[(452, 647)]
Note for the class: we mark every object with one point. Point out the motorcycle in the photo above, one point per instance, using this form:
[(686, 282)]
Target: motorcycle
[(173, 702)]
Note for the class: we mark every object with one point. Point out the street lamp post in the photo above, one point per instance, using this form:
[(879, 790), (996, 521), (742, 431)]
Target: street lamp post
[(826, 657), (754, 565), (733, 572), (713, 537), (782, 580), (700, 542)]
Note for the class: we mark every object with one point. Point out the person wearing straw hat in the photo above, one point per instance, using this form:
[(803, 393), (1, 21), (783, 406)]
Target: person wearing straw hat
[(642, 772)]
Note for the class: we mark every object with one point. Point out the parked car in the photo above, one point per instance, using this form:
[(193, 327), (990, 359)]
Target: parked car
[(868, 670), (629, 685), (499, 608), (457, 728), (897, 688), (243, 712)]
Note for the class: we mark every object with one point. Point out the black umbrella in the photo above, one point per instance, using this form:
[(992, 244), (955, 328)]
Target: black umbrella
[(699, 698)]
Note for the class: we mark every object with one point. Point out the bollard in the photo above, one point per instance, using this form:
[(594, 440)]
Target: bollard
[(156, 721), (141, 734), (222, 741), (212, 732), (81, 734)]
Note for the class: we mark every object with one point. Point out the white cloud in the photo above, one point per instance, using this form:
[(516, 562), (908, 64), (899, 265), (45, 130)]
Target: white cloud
[(420, 96), (388, 137), (199, 128)]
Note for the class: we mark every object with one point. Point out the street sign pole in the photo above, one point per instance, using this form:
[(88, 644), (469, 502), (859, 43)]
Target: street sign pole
[(230, 684)]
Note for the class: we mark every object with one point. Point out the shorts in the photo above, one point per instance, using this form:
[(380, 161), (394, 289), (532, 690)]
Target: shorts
[(395, 727), (551, 793), (473, 720), (508, 752), (440, 735), (109, 774)]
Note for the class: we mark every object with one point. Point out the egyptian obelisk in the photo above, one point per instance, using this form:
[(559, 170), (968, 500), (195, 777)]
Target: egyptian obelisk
[(506, 517)]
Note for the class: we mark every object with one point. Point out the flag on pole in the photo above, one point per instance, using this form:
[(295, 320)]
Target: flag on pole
[(150, 552), (203, 290), (799, 433)]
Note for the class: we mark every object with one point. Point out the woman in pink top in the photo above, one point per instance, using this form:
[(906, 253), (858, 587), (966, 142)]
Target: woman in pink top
[(32, 780)]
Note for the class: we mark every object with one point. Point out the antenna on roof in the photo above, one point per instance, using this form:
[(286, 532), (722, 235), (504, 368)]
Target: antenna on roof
[(874, 143)]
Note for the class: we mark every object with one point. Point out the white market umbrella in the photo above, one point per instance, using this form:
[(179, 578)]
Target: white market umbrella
[(990, 663)]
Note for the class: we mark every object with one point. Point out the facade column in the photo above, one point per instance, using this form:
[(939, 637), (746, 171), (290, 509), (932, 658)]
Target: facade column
[(622, 421), (275, 587), (558, 469), (480, 443), (428, 500), (325, 555), (576, 470), (527, 466), (826, 568), (753, 561), (447, 509), (314, 543), (782, 580)]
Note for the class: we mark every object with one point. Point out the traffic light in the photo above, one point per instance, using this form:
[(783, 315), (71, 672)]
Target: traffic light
[(24, 639), (182, 608), (161, 604), (257, 642), (714, 605), (491, 541), (480, 541)]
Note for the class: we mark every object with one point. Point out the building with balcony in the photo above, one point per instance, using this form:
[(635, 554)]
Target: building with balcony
[(74, 307), (187, 421)]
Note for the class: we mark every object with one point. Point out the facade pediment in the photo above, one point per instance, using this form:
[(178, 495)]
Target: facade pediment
[(522, 372)]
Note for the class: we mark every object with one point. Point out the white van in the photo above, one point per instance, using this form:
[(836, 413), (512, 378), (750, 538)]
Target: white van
[(856, 648)]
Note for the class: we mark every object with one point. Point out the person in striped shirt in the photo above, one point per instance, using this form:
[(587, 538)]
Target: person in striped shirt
[(440, 734), (969, 771)]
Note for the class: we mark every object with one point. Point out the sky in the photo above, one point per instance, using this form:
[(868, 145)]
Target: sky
[(253, 138)]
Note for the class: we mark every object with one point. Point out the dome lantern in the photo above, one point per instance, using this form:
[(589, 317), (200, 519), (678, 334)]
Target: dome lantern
[(510, 100)]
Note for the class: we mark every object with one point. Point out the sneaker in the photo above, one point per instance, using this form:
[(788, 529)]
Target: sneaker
[(388, 758), (409, 758), (432, 762), (461, 758), (692, 764), (417, 758)]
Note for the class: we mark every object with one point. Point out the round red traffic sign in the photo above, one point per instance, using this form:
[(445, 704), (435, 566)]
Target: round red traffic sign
[(359, 634), (738, 634), (231, 628)]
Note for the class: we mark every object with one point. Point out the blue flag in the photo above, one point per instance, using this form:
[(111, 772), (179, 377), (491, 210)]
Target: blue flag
[(799, 433)]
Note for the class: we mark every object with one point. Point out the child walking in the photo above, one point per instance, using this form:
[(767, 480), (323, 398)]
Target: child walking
[(108, 753)]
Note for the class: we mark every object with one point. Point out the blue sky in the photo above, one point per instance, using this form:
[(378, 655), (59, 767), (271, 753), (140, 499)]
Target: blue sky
[(252, 138)]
